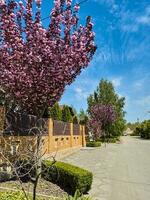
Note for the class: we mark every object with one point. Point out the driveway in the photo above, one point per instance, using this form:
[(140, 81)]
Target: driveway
[(121, 171)]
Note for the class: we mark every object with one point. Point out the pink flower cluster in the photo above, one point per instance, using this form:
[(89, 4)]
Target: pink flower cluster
[(36, 63), (101, 116)]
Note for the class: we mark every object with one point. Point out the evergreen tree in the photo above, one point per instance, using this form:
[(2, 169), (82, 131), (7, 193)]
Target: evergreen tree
[(72, 111), (75, 120), (66, 114), (83, 117), (105, 94), (54, 112)]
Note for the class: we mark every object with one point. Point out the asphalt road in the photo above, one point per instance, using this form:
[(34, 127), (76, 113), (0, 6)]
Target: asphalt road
[(121, 171)]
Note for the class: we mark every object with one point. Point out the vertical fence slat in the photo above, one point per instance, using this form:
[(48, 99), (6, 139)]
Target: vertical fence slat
[(61, 128)]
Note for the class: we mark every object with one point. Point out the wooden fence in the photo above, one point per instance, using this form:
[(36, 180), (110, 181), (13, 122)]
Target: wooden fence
[(56, 135)]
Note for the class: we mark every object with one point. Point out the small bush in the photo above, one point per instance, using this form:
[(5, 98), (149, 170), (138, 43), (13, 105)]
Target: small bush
[(93, 144), (78, 196), (69, 177), (143, 129), (109, 140), (112, 140)]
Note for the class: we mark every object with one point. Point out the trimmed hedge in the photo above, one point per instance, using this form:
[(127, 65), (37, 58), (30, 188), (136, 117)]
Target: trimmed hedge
[(93, 144), (68, 177)]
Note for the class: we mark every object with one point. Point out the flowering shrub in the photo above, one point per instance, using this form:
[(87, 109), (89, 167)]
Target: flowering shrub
[(36, 63)]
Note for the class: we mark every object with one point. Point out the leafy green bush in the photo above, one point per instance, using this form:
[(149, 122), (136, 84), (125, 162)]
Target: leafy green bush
[(93, 144), (77, 196), (143, 129), (69, 177), (110, 140)]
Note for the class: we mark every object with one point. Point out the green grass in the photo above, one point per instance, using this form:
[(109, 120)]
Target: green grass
[(20, 196)]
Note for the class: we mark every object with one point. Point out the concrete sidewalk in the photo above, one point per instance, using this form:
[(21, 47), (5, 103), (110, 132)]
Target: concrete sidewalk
[(121, 171)]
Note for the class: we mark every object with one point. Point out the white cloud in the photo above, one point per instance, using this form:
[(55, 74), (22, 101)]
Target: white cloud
[(110, 3), (80, 94), (117, 81), (144, 101), (78, 90), (139, 84), (144, 19)]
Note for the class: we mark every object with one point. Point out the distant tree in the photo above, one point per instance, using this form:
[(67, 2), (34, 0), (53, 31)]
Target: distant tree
[(72, 111), (132, 126), (75, 120), (143, 129), (54, 112), (102, 116), (83, 117), (105, 94), (66, 114)]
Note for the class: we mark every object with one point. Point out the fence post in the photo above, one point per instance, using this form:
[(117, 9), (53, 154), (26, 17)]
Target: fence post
[(50, 135), (83, 135), (2, 118), (71, 134)]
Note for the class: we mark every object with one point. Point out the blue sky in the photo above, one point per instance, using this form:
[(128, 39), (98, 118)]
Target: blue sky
[(122, 30)]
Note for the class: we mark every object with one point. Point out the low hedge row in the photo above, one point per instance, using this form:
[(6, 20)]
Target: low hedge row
[(93, 144), (68, 177)]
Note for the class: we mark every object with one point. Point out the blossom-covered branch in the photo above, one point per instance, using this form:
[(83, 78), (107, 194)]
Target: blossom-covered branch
[(36, 63)]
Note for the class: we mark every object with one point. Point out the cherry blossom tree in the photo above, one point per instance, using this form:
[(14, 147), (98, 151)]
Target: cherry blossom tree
[(36, 63), (100, 117)]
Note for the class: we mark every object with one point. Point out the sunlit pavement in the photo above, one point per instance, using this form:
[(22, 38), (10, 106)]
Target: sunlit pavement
[(121, 171)]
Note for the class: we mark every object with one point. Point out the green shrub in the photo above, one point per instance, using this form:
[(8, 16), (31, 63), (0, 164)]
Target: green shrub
[(93, 144), (143, 129), (69, 177), (77, 196), (110, 140)]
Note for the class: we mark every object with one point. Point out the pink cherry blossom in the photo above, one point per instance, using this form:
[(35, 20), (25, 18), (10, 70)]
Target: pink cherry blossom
[(36, 63), (100, 117)]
